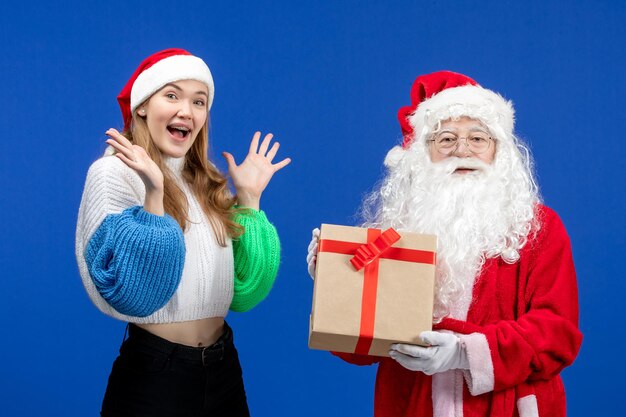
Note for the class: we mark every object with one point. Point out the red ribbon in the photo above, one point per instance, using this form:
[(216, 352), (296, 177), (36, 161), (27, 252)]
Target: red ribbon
[(367, 255)]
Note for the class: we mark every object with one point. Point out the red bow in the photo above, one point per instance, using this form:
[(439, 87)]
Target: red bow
[(369, 252)]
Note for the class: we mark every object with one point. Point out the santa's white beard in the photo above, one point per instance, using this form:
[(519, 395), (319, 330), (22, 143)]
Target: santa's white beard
[(479, 215)]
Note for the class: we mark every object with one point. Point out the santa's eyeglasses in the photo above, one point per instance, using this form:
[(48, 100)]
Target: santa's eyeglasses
[(447, 143)]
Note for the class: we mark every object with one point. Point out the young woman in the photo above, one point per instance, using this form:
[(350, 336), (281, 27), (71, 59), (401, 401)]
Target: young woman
[(163, 245)]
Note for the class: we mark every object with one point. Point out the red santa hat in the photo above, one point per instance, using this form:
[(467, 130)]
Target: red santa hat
[(158, 69), (443, 95)]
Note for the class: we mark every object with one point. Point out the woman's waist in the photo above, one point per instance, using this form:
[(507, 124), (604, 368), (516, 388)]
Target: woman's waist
[(195, 333)]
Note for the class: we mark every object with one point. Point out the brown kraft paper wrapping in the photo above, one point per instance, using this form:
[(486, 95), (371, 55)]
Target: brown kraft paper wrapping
[(403, 296)]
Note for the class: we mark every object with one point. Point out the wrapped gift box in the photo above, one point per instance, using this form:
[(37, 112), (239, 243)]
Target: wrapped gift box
[(371, 289)]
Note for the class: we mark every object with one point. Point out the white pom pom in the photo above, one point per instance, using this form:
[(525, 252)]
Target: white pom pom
[(394, 156), (510, 256)]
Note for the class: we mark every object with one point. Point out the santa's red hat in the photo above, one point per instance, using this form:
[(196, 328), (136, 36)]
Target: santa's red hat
[(443, 95), (158, 69)]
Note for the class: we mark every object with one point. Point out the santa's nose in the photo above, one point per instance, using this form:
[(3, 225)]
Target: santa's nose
[(462, 149)]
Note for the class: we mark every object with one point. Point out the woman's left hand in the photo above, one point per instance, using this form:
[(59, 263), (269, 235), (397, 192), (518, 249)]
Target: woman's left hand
[(255, 172)]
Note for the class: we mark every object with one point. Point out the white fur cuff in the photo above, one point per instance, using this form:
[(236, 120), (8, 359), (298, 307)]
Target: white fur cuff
[(480, 377)]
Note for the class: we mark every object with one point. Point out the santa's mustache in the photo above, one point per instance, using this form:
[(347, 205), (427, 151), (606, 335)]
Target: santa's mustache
[(453, 163)]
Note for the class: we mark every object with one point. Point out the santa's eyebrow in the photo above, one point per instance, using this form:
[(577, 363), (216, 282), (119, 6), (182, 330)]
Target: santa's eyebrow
[(455, 131)]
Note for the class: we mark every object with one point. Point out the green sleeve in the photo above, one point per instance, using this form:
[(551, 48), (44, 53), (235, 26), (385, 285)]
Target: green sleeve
[(257, 255)]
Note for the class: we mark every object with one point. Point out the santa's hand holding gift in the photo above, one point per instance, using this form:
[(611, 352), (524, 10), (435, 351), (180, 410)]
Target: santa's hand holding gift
[(506, 303)]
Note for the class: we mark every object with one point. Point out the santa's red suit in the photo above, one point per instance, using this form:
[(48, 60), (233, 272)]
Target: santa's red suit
[(521, 331)]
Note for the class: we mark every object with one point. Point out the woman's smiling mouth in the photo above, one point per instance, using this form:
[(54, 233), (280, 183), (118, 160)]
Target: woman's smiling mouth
[(179, 132)]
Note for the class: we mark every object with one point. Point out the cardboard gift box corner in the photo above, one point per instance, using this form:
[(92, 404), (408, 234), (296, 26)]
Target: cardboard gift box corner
[(390, 300)]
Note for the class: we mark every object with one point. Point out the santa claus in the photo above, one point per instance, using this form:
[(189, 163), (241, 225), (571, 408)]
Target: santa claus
[(505, 308)]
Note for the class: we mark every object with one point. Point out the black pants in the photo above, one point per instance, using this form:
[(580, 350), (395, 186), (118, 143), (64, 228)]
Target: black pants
[(154, 377)]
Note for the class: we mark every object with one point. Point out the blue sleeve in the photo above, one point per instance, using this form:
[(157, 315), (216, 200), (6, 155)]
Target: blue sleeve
[(136, 260)]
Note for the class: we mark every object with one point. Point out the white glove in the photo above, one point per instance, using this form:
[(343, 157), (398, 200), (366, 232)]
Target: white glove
[(311, 257), (444, 353)]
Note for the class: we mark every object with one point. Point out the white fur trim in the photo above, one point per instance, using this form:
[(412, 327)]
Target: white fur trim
[(394, 156), (447, 394), (469, 100), (527, 406), (167, 70), (480, 377)]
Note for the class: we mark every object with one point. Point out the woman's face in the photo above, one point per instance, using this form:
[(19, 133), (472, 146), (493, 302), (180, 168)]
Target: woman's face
[(175, 114)]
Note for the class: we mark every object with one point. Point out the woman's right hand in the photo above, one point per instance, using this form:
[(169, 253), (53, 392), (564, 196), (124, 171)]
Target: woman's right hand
[(311, 257), (138, 159)]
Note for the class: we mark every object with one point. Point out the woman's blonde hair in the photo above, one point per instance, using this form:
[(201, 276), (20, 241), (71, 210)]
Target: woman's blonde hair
[(206, 182)]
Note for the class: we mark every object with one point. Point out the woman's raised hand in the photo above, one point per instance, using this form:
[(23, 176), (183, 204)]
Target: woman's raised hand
[(252, 176), (138, 159)]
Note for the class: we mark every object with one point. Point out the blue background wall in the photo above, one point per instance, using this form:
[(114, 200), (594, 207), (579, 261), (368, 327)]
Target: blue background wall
[(327, 79)]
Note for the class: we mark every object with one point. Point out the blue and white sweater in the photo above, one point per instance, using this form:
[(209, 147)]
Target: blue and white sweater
[(140, 267)]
